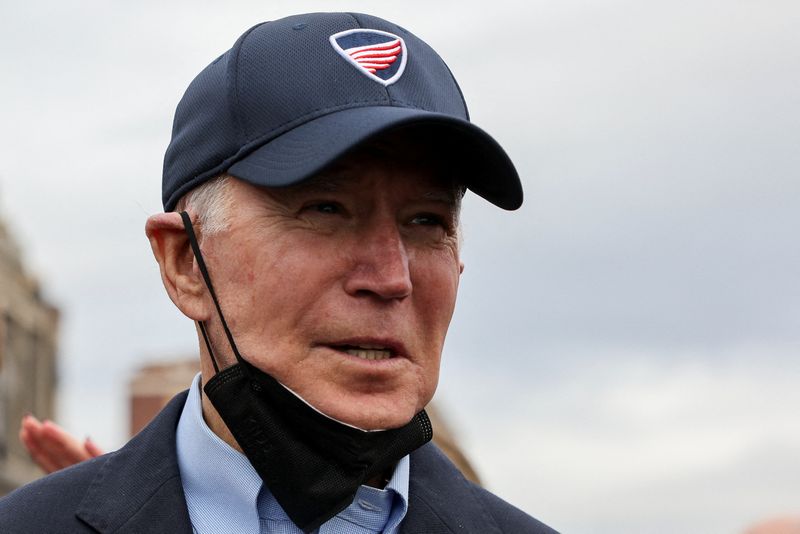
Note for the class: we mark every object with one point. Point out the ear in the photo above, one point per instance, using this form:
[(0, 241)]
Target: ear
[(460, 267), (183, 282)]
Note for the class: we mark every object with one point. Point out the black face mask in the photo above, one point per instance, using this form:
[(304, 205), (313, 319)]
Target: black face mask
[(312, 464)]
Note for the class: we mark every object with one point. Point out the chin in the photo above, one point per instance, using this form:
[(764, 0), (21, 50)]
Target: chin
[(374, 416)]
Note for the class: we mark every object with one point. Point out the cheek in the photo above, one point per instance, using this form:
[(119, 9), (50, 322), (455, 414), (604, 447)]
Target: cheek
[(436, 286), (285, 285), (269, 287)]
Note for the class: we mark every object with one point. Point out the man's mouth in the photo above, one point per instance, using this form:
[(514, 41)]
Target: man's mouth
[(366, 352)]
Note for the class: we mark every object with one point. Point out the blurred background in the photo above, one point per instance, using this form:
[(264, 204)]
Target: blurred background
[(625, 354)]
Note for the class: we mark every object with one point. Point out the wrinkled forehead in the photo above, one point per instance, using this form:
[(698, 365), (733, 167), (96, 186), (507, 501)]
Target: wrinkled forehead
[(429, 180), (411, 153)]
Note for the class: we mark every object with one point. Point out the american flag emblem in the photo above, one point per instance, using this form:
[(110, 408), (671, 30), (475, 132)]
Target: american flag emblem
[(379, 55)]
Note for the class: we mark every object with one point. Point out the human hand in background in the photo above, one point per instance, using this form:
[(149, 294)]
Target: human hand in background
[(52, 447)]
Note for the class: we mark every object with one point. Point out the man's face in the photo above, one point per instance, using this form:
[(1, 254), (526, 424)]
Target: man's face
[(342, 288)]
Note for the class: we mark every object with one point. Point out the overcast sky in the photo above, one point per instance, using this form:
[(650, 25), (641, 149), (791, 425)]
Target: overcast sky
[(625, 355)]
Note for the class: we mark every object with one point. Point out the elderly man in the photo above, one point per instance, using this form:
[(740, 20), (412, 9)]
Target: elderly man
[(312, 191)]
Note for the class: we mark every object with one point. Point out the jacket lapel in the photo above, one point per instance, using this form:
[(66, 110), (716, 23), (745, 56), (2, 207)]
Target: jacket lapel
[(441, 500), (138, 489)]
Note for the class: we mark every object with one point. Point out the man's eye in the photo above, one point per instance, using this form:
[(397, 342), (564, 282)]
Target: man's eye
[(428, 219), (326, 207)]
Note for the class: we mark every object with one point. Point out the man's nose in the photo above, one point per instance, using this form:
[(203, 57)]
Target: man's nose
[(380, 264)]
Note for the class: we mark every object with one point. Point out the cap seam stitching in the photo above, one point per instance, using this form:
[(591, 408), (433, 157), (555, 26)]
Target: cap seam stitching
[(235, 82)]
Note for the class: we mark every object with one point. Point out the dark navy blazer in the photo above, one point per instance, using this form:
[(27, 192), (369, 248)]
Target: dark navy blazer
[(138, 490)]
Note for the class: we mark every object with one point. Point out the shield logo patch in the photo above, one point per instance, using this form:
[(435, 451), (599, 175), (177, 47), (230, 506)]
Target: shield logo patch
[(379, 55)]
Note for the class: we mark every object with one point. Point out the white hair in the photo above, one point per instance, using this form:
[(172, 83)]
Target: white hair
[(209, 203)]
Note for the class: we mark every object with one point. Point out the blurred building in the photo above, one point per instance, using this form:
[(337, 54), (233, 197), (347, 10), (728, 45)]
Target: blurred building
[(28, 338), (154, 385)]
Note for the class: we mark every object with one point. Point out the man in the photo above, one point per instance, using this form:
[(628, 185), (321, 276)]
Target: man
[(312, 193)]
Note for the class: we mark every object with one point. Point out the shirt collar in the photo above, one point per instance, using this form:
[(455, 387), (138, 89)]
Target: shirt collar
[(220, 484), (399, 484), (379, 510)]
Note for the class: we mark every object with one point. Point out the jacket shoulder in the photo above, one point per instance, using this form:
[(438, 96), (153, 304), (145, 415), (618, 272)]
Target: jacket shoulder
[(441, 500), (507, 516), (134, 490), (49, 503)]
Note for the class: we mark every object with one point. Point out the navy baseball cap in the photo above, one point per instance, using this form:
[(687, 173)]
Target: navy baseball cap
[(293, 95)]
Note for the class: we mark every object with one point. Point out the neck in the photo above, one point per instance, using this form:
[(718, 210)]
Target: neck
[(379, 481), (215, 422)]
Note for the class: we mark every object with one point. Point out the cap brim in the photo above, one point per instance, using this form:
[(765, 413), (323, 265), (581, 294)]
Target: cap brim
[(307, 149)]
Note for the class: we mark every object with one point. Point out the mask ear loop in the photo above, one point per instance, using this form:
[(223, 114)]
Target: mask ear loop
[(208, 345), (187, 224)]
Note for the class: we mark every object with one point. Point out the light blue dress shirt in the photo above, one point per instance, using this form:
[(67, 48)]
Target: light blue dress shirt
[(224, 494)]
